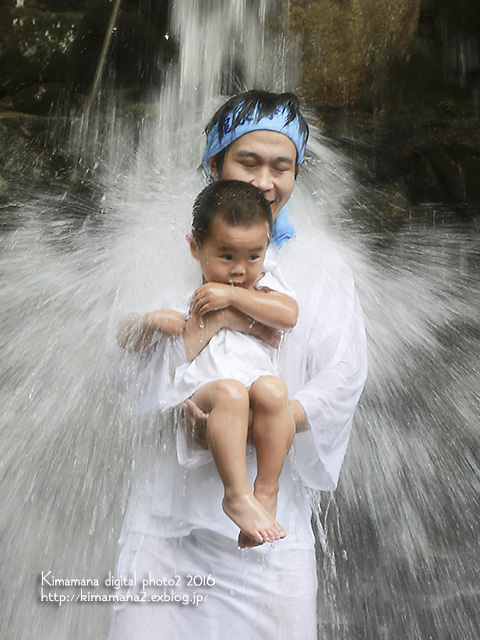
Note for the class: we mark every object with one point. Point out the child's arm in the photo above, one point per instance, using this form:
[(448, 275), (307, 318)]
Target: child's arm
[(271, 308), (200, 329), (136, 332)]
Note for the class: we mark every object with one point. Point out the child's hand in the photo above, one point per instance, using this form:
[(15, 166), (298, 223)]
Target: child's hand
[(166, 321), (136, 333), (211, 297)]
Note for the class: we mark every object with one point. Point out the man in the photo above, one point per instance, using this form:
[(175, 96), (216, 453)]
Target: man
[(175, 526)]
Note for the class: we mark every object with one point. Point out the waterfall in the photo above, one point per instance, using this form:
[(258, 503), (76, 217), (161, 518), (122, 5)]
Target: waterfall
[(398, 542)]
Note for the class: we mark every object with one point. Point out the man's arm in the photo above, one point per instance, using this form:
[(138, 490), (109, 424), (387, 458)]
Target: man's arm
[(271, 308), (324, 363)]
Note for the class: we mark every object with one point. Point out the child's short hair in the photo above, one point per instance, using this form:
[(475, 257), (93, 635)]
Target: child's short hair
[(239, 204)]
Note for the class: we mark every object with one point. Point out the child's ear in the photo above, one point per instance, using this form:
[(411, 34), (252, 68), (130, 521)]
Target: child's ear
[(192, 243)]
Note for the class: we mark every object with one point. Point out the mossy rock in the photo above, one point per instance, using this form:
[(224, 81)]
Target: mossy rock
[(38, 99), (29, 157), (347, 48), (35, 46)]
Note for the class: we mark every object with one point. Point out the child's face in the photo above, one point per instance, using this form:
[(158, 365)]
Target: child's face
[(231, 255)]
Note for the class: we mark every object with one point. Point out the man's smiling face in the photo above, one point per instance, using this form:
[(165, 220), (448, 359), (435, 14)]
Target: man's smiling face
[(266, 159)]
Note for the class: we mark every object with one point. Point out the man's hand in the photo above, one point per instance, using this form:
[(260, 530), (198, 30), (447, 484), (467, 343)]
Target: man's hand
[(200, 330), (194, 421), (212, 296), (238, 321), (299, 416), (269, 335)]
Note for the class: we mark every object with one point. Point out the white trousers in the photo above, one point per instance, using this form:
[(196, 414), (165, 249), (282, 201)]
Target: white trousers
[(203, 586)]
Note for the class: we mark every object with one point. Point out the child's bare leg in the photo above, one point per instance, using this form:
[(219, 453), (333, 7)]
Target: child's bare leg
[(272, 433), (227, 405)]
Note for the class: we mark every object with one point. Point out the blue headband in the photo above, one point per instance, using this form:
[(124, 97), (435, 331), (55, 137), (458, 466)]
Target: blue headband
[(251, 122)]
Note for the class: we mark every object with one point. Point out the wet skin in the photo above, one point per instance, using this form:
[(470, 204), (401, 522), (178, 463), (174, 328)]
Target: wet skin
[(266, 159), (231, 255)]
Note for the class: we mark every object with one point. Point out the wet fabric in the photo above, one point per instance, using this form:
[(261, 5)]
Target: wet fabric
[(230, 355), (202, 586)]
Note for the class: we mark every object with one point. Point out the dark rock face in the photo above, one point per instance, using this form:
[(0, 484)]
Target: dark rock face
[(445, 169), (349, 47), (47, 43), (28, 158), (37, 98), (49, 52), (397, 83), (406, 107), (412, 162), (37, 47)]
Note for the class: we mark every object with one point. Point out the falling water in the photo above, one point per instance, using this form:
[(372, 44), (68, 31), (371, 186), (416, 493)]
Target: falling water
[(398, 542)]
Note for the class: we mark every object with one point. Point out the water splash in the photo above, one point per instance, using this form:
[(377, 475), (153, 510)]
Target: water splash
[(398, 542)]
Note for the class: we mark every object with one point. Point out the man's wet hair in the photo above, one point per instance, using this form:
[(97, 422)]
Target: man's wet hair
[(263, 104), (239, 204)]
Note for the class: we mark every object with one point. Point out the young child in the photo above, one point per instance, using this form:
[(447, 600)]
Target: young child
[(236, 372)]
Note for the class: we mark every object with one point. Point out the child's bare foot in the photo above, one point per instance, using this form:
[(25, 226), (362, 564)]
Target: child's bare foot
[(252, 519), (267, 497), (244, 542)]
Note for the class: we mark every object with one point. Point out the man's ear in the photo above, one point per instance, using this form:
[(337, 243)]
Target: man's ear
[(212, 165), (192, 243), (299, 168)]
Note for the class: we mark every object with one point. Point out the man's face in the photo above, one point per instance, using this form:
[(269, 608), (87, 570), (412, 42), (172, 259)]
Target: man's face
[(231, 255), (265, 159)]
